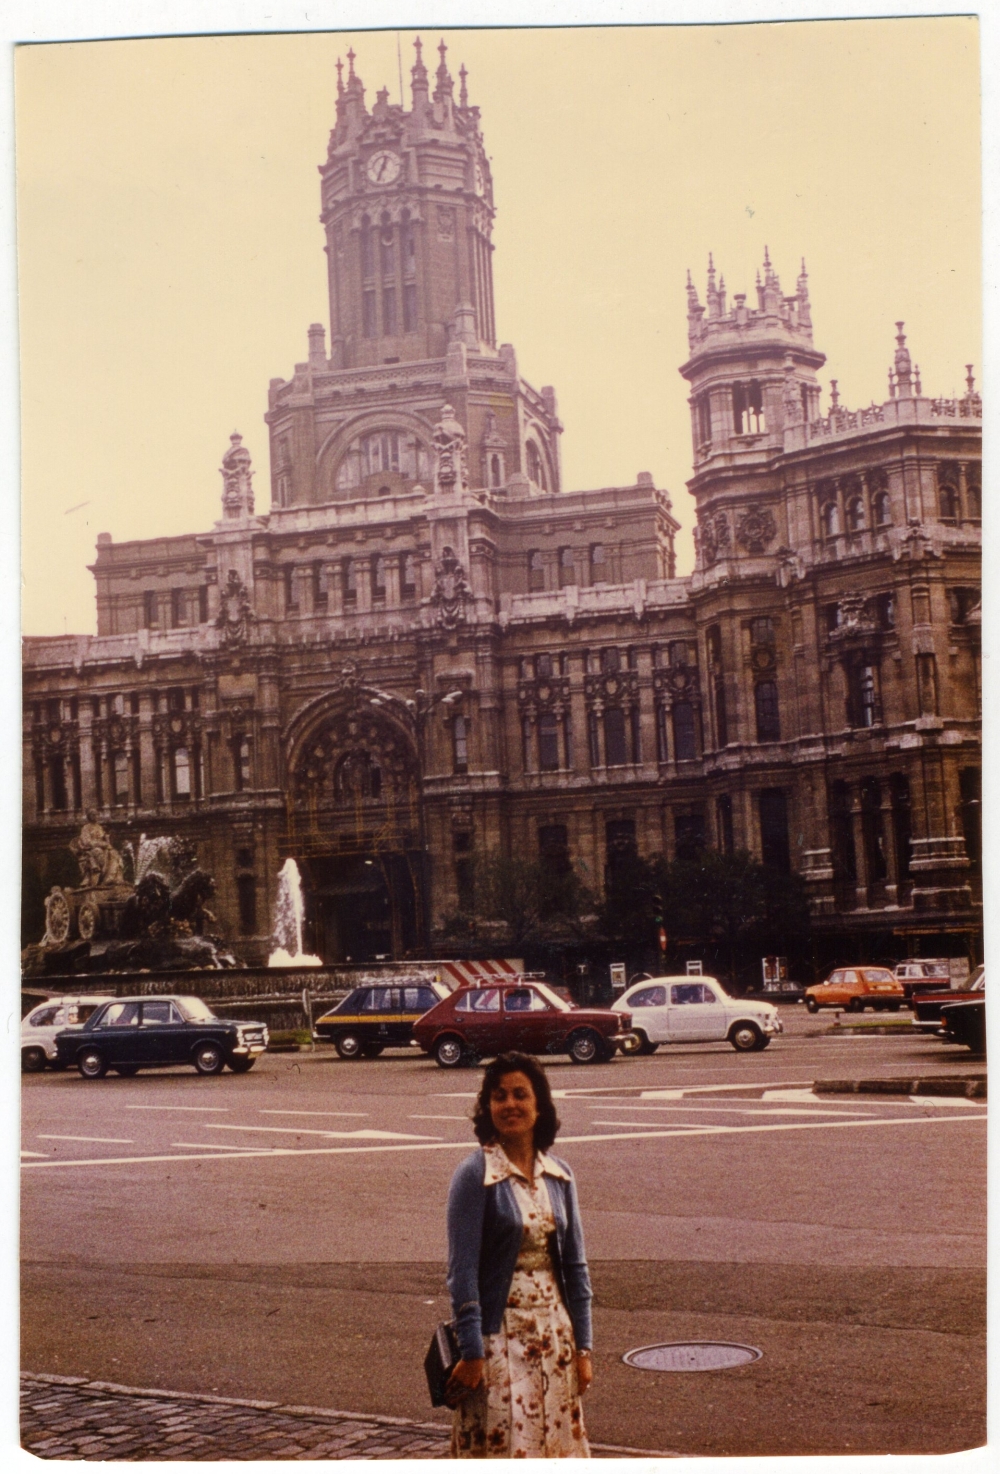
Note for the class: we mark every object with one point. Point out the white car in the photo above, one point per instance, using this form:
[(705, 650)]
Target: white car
[(40, 1027), (684, 1010)]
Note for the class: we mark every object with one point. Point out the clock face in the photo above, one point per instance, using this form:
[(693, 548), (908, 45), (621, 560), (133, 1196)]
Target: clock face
[(384, 167)]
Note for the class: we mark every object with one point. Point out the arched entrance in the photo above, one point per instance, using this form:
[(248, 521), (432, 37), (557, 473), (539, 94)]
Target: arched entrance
[(354, 829)]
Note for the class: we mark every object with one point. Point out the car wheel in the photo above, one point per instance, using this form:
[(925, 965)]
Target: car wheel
[(240, 1066), (349, 1045), (372, 1051), (92, 1064), (32, 1061), (449, 1052), (208, 1059), (585, 1047), (812, 1005), (856, 1005), (895, 1007), (126, 1071), (744, 1037)]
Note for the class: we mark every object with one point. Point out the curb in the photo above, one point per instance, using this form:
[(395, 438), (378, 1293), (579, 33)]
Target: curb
[(971, 1087), (289, 1410)]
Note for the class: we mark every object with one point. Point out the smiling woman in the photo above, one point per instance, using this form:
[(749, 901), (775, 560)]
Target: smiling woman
[(518, 1278)]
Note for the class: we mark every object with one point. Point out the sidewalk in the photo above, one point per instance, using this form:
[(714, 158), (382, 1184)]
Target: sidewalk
[(71, 1418)]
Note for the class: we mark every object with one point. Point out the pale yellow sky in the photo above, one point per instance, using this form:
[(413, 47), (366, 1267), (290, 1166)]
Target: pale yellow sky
[(171, 259)]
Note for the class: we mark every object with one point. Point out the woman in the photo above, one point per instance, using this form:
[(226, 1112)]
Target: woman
[(518, 1278)]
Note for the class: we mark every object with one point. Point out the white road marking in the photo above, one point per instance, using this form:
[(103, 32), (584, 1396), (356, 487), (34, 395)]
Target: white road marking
[(737, 1110), (224, 1109), (111, 1140), (945, 1100), (211, 1146), (315, 1113), (789, 1095), (26, 1153), (363, 1132), (463, 1119), (435, 1146)]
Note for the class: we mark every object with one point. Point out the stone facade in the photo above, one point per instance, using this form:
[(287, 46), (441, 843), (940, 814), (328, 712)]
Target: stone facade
[(428, 649)]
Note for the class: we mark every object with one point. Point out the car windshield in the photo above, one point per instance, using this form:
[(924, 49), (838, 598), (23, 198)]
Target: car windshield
[(195, 1011), (551, 998)]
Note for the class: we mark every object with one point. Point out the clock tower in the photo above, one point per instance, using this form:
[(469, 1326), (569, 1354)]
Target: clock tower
[(408, 212)]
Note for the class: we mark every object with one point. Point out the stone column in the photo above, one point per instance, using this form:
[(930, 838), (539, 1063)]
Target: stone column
[(578, 714)]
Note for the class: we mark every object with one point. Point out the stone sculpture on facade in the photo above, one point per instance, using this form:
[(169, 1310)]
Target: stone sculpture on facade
[(451, 591), (451, 471), (756, 529), (714, 538), (237, 480), (236, 617)]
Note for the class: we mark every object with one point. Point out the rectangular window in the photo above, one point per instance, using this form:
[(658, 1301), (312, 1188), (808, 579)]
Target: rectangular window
[(773, 810), (724, 811), (548, 741), (593, 739), (175, 698), (460, 742), (241, 762), (766, 705), (567, 567), (368, 309), (378, 577), (178, 608), (409, 575), (685, 746), (568, 738), (120, 772), (349, 580), (246, 891), (150, 612), (389, 311), (553, 848), (320, 598), (203, 604), (409, 307), (721, 720), (680, 653), (536, 572), (288, 575), (636, 733), (662, 746), (614, 737), (611, 660), (182, 773), (762, 631), (689, 836), (598, 564)]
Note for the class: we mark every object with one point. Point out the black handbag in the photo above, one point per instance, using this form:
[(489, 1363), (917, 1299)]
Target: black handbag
[(439, 1363)]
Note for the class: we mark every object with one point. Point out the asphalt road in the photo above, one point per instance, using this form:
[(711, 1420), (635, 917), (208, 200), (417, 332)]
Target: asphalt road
[(280, 1235)]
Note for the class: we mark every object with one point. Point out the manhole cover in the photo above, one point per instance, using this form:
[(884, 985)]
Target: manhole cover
[(691, 1356)]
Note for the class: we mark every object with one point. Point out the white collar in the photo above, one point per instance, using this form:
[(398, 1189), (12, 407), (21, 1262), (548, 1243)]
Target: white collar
[(499, 1166)]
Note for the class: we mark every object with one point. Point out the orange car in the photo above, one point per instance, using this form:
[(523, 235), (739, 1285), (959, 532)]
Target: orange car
[(857, 988)]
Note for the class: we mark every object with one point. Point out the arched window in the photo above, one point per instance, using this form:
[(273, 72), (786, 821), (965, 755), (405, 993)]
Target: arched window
[(975, 495), (748, 409), (378, 454), (880, 506), (536, 470), (766, 704), (948, 503), (830, 516), (598, 564), (536, 572), (567, 567), (855, 514)]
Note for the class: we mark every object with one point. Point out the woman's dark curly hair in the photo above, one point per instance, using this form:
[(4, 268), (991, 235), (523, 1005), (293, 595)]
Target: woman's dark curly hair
[(509, 1064)]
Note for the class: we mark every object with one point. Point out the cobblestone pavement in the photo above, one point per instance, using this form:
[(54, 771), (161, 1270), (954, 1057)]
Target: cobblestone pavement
[(71, 1418)]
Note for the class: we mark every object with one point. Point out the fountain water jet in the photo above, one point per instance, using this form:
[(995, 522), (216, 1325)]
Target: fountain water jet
[(289, 911)]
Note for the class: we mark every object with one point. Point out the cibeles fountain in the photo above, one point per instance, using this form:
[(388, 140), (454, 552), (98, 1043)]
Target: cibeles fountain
[(139, 909), (289, 915)]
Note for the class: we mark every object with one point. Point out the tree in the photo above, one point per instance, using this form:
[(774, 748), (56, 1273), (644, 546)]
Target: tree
[(521, 903)]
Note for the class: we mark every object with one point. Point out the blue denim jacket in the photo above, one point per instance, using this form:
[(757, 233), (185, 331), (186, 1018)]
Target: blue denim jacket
[(485, 1230)]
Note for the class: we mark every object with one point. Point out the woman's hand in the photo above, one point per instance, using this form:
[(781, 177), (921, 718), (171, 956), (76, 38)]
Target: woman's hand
[(465, 1376), (584, 1371)]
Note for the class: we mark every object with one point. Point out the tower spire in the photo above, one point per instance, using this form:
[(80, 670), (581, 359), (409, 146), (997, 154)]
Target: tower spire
[(445, 86), (418, 78), (463, 94), (902, 364), (340, 77)]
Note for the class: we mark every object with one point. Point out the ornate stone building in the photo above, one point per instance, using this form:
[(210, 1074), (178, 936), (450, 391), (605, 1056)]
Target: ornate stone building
[(428, 649)]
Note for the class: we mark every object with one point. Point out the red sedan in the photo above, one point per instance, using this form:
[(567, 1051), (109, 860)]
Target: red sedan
[(529, 1016)]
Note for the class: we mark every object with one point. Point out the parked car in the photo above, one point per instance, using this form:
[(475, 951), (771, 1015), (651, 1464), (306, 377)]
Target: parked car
[(518, 1015), (785, 991), (928, 974), (927, 1008), (368, 1019), (40, 1027), (132, 1034), (857, 988), (964, 1022), (684, 1010)]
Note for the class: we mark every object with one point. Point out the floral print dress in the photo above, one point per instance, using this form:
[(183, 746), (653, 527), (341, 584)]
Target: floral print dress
[(528, 1404)]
